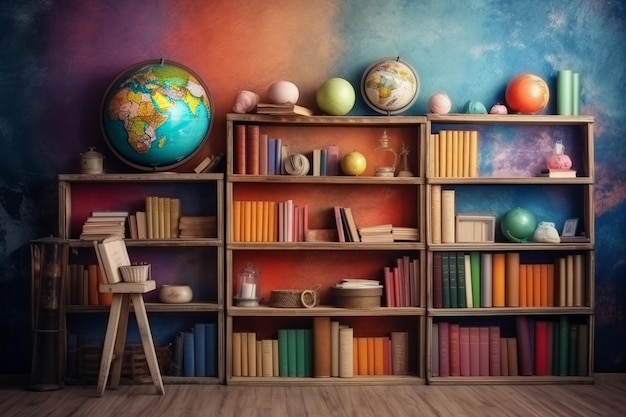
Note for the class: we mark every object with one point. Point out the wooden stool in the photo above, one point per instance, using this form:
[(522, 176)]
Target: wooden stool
[(115, 339)]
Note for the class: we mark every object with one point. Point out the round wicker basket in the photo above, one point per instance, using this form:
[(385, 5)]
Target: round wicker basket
[(294, 298)]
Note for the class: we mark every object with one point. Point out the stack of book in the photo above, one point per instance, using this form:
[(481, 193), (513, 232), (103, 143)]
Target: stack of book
[(197, 227), (283, 109), (378, 234), (405, 234), (104, 224)]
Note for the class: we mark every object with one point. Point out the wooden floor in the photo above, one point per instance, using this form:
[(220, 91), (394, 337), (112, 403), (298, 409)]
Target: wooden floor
[(607, 397)]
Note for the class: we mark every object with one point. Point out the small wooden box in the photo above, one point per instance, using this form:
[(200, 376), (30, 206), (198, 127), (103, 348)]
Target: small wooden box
[(357, 297), (475, 228)]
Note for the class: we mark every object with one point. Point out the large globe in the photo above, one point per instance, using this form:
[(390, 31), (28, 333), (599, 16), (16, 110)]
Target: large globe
[(390, 86), (156, 115)]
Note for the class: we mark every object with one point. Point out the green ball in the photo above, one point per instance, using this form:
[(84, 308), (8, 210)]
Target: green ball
[(518, 224), (475, 107), (336, 97)]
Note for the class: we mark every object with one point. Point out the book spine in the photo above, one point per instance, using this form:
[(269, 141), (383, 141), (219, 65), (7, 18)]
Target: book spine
[(189, 359), (399, 352), (444, 349), (346, 362), (283, 353), (523, 346), (434, 348), (498, 273), (512, 279), (322, 347), (447, 216), (437, 280), (199, 338), (211, 349), (483, 351), (475, 265), (301, 350), (236, 354), (474, 350), (494, 351), (464, 351), (455, 349), (435, 210), (486, 280)]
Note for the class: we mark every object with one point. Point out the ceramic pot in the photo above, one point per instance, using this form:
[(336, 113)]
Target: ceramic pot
[(175, 294)]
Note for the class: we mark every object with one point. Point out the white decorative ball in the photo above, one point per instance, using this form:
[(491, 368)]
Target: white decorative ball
[(439, 103), (283, 92)]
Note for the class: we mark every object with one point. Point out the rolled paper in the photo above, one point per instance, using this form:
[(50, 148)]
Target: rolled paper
[(564, 92), (575, 93)]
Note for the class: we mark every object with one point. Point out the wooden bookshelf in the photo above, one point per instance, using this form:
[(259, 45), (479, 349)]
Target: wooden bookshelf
[(198, 262), (512, 150), (312, 264)]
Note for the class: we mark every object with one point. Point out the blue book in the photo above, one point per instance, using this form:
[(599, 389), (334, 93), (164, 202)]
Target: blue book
[(188, 354), (199, 340), (271, 156), (211, 349), (278, 156)]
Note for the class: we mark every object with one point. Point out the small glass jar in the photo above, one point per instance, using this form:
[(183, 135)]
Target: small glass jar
[(385, 158), (248, 292)]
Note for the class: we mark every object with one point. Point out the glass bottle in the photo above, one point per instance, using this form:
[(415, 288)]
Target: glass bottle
[(385, 158)]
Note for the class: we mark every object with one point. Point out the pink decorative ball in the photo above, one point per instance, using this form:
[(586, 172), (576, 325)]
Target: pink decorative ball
[(498, 109), (439, 103), (283, 92)]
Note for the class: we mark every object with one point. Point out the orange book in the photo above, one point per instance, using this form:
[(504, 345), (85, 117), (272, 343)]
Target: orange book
[(370, 356), (355, 356), (550, 285), (266, 222), (512, 279), (253, 218), (236, 221), (379, 355), (92, 277), (386, 356), (104, 298), (523, 286), (322, 347), (260, 224), (362, 353), (529, 285), (536, 285), (544, 285), (498, 272), (247, 221)]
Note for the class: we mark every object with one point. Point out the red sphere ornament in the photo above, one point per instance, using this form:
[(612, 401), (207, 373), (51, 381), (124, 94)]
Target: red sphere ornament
[(527, 93)]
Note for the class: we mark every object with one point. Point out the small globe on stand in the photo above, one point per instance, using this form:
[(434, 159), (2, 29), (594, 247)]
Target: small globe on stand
[(390, 86), (156, 115)]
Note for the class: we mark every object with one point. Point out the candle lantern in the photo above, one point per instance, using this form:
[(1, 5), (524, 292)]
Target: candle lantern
[(248, 291), (385, 158)]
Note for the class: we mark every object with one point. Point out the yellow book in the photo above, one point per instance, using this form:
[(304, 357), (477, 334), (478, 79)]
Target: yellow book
[(430, 152), (466, 153), (160, 218), (443, 148), (244, 354), (267, 358), (236, 354), (455, 153), (449, 154), (167, 218), (174, 217), (148, 210), (436, 171), (362, 350), (473, 160), (435, 210), (447, 216), (259, 358)]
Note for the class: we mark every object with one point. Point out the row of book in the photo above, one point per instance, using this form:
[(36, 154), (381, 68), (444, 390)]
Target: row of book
[(269, 221), (327, 350), (453, 153), (485, 279), (539, 347), (258, 154), (82, 286), (402, 283), (195, 352)]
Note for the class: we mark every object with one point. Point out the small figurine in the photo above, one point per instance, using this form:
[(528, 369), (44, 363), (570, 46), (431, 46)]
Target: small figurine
[(405, 171), (558, 159)]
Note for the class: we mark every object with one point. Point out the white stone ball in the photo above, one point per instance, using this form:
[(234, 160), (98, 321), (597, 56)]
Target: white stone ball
[(283, 92)]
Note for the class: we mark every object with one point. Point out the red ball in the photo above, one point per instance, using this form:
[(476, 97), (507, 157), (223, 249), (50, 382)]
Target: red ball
[(527, 93)]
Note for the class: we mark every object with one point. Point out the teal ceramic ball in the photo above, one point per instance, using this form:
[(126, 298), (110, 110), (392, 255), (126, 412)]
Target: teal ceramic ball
[(518, 224), (475, 107), (336, 97)]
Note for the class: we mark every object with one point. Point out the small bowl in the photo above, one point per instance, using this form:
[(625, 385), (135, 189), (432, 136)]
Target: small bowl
[(175, 294)]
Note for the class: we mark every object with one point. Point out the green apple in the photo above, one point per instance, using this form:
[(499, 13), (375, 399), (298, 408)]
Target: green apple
[(353, 163)]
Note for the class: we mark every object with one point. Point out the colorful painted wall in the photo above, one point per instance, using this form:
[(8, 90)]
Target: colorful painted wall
[(57, 59)]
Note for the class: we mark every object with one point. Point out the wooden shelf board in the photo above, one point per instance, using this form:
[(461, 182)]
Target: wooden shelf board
[(507, 311), (263, 311), (356, 380)]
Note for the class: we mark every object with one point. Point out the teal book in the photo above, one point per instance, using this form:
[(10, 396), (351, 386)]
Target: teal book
[(454, 282), (460, 280), (563, 345), (572, 351), (445, 279), (283, 353), (292, 355), (308, 352), (300, 353), (199, 338), (211, 349), (475, 265)]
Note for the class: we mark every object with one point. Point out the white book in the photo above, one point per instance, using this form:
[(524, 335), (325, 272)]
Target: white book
[(112, 254)]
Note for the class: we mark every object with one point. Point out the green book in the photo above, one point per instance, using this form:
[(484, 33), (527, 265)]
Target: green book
[(454, 283), (563, 345), (572, 352), (475, 265), (283, 353), (460, 280), (292, 355), (445, 279), (300, 353)]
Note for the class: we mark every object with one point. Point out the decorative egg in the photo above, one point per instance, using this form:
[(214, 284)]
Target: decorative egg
[(245, 101), (283, 92)]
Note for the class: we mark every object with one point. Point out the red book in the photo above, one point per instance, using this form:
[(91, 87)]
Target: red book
[(397, 287), (437, 282), (483, 351), (464, 343), (389, 293), (523, 346), (332, 160), (444, 349), (240, 149), (474, 340), (541, 348), (455, 349), (252, 150), (400, 284), (494, 351), (406, 268)]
